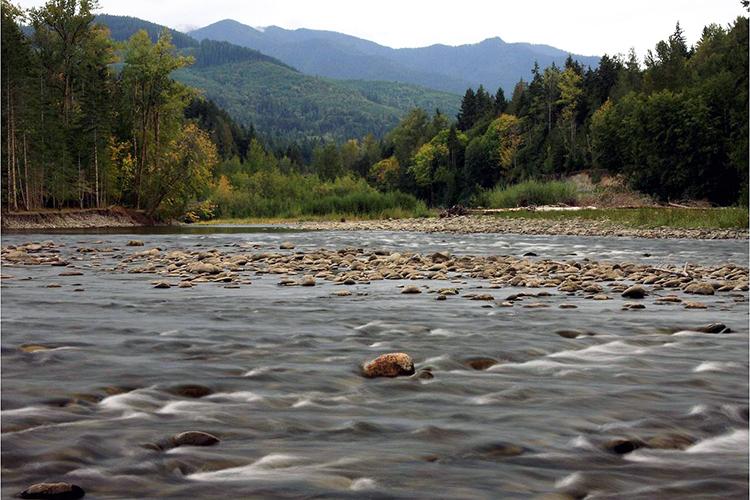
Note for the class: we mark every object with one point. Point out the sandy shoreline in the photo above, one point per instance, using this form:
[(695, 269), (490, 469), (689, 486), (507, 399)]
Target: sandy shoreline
[(74, 219), (490, 224)]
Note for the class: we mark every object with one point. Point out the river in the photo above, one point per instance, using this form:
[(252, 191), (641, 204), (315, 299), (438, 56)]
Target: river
[(296, 418)]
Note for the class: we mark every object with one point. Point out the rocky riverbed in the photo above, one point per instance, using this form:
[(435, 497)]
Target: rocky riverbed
[(379, 364), (468, 224)]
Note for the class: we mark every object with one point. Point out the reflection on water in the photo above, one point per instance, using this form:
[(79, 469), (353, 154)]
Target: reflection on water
[(279, 385)]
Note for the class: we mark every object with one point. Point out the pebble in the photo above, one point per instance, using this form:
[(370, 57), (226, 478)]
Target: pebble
[(633, 305), (56, 491), (484, 296), (389, 365), (307, 281), (694, 305), (700, 289)]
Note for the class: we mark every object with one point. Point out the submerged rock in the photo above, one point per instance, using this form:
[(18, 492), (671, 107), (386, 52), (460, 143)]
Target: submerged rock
[(286, 245), (493, 451), (670, 442), (34, 348), (623, 446), (713, 328), (58, 491), (394, 364), (190, 390), (480, 363), (194, 438), (134, 243), (411, 289)]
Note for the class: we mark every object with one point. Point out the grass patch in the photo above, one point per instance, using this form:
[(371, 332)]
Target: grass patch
[(649, 218), (273, 195), (529, 193)]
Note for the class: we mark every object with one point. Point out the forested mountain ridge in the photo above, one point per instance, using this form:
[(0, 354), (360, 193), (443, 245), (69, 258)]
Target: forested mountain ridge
[(282, 102), (491, 63)]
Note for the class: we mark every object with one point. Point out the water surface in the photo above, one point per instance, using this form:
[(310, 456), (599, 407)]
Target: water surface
[(296, 418)]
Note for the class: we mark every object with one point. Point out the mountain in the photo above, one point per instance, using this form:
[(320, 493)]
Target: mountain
[(491, 62), (282, 102)]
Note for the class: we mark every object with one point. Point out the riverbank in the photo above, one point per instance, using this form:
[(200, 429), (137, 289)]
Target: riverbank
[(633, 223), (75, 219)]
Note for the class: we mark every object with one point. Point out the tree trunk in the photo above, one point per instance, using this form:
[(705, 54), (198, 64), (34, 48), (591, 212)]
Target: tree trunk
[(27, 199), (96, 170), (80, 182), (7, 140)]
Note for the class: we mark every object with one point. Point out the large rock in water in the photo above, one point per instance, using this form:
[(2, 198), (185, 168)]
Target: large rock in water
[(394, 364), (57, 491), (634, 292)]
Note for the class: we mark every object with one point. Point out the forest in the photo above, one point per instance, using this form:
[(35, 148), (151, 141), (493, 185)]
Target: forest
[(90, 122)]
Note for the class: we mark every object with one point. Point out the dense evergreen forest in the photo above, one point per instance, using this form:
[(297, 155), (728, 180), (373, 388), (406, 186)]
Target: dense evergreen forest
[(89, 122)]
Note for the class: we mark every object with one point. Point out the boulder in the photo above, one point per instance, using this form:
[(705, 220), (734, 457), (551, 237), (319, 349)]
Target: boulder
[(411, 289), (134, 243), (394, 364), (286, 245)]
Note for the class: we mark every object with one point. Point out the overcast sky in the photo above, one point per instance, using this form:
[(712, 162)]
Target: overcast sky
[(587, 27)]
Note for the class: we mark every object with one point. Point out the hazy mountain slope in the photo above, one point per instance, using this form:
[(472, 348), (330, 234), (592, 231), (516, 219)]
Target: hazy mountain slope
[(281, 101), (492, 62), (286, 103)]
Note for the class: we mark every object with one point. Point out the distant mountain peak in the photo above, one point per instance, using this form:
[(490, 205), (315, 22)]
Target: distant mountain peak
[(495, 40), (491, 62)]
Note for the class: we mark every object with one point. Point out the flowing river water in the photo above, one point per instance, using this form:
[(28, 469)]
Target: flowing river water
[(296, 418)]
